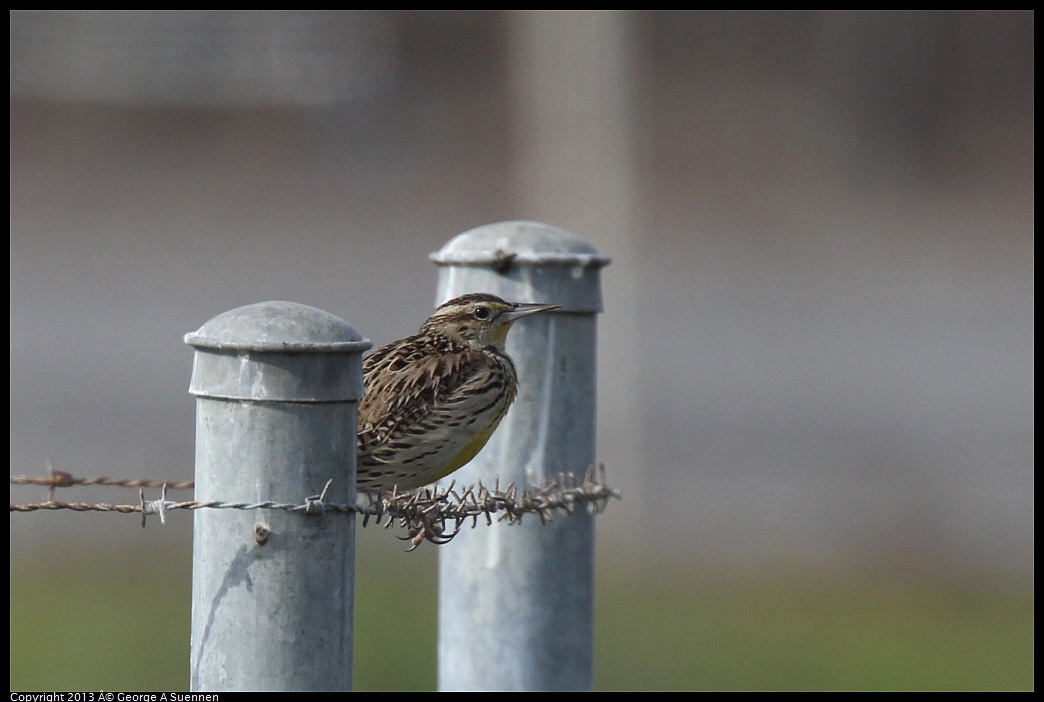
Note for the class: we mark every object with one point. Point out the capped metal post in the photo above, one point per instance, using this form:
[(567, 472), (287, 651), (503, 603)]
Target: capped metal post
[(515, 602), (277, 386)]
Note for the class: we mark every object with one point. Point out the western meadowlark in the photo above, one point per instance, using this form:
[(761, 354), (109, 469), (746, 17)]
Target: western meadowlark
[(433, 399)]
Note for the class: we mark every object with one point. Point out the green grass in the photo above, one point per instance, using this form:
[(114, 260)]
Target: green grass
[(770, 633), (108, 623), (118, 623)]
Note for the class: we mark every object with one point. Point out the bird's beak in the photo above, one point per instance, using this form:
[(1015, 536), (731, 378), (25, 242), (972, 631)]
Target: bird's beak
[(524, 309)]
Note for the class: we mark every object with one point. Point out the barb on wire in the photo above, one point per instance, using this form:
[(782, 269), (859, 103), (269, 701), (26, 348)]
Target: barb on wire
[(59, 479), (434, 514)]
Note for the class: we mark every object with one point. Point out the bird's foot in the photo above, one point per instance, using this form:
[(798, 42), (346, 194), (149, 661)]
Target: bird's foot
[(428, 527)]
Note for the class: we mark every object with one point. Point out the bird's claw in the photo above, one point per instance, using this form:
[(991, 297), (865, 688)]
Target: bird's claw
[(428, 528)]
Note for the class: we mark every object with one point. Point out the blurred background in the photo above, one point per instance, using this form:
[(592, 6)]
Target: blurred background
[(816, 356)]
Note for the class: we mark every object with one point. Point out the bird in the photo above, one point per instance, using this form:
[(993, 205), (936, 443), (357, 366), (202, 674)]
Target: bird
[(433, 399)]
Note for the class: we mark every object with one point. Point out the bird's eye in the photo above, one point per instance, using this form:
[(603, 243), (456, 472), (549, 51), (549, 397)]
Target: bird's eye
[(482, 314)]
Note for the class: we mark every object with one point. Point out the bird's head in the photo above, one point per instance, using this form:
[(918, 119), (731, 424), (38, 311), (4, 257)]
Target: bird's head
[(479, 319)]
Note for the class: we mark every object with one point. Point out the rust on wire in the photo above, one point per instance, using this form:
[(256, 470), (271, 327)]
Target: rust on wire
[(59, 479)]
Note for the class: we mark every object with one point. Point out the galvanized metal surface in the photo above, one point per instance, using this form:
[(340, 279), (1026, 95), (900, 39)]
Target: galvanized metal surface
[(525, 258), (277, 386), (515, 602)]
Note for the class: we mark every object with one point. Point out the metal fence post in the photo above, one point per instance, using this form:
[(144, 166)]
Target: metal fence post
[(277, 385), (515, 602)]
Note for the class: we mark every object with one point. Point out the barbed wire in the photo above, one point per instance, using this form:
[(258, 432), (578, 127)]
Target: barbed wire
[(425, 512), (60, 479)]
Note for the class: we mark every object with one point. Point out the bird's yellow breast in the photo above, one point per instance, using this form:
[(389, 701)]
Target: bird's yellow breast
[(468, 451)]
